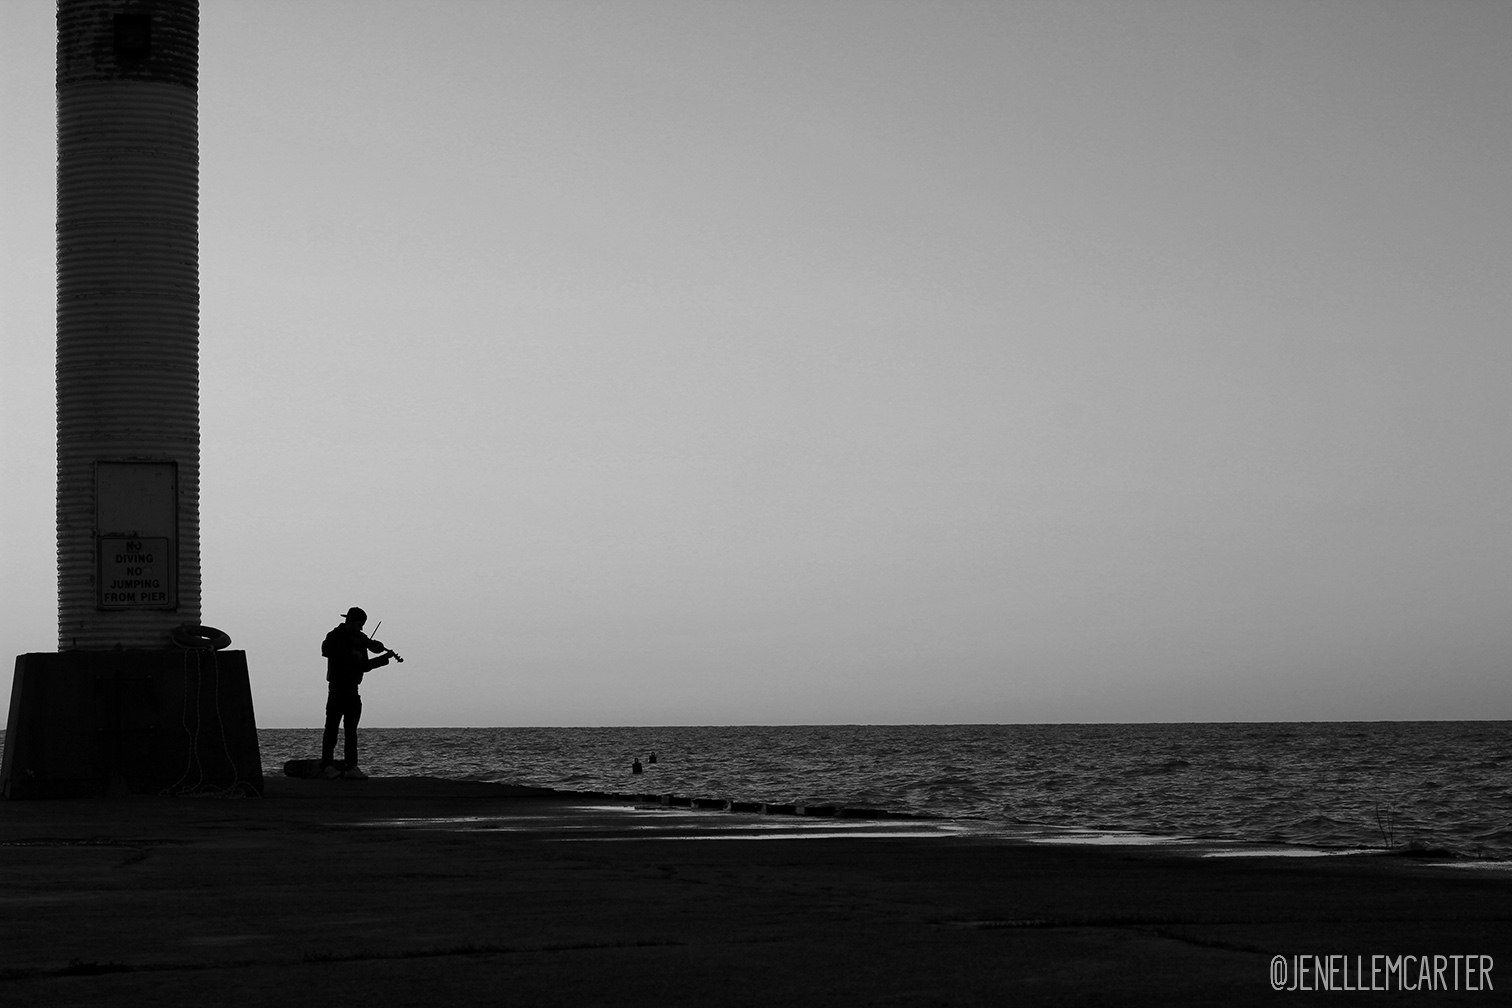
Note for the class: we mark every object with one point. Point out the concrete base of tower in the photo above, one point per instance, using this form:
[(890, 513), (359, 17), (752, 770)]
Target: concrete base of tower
[(98, 723)]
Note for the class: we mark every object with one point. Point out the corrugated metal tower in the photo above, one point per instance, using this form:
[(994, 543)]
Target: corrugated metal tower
[(138, 698), (128, 322)]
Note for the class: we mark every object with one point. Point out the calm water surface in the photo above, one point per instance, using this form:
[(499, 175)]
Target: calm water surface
[(1329, 784)]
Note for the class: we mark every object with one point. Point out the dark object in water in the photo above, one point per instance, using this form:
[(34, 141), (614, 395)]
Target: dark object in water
[(651, 758), (635, 767)]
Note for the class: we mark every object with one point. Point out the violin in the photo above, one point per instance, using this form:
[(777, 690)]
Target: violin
[(389, 652)]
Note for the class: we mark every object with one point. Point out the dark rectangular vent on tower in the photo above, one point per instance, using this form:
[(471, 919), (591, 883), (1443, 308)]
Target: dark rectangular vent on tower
[(133, 37)]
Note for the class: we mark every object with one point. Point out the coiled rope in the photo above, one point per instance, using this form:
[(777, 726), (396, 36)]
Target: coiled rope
[(198, 637)]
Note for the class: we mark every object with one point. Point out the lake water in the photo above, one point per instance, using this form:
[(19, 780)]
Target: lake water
[(1439, 784)]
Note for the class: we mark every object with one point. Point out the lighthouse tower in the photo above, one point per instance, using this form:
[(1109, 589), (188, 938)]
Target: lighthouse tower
[(139, 695), (128, 322)]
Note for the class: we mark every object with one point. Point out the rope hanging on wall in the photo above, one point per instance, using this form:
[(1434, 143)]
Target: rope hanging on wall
[(182, 788)]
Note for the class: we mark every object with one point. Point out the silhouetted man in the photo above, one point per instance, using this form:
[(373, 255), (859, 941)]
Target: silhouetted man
[(346, 651)]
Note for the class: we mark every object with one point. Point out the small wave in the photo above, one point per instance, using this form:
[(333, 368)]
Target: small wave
[(1168, 767), (1498, 834)]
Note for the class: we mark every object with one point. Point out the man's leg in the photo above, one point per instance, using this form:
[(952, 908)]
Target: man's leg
[(332, 722), (353, 715)]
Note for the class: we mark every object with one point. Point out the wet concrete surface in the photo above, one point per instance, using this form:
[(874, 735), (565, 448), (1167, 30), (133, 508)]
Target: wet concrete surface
[(421, 891)]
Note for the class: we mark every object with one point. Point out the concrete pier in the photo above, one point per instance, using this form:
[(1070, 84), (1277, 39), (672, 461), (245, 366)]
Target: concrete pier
[(416, 891)]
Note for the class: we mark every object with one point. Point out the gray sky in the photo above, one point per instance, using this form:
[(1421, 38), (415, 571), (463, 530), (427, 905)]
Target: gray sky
[(828, 361)]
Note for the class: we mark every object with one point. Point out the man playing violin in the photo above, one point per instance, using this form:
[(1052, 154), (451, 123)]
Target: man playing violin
[(346, 651)]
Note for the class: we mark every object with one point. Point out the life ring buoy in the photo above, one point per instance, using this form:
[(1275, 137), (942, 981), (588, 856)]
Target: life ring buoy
[(198, 637)]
